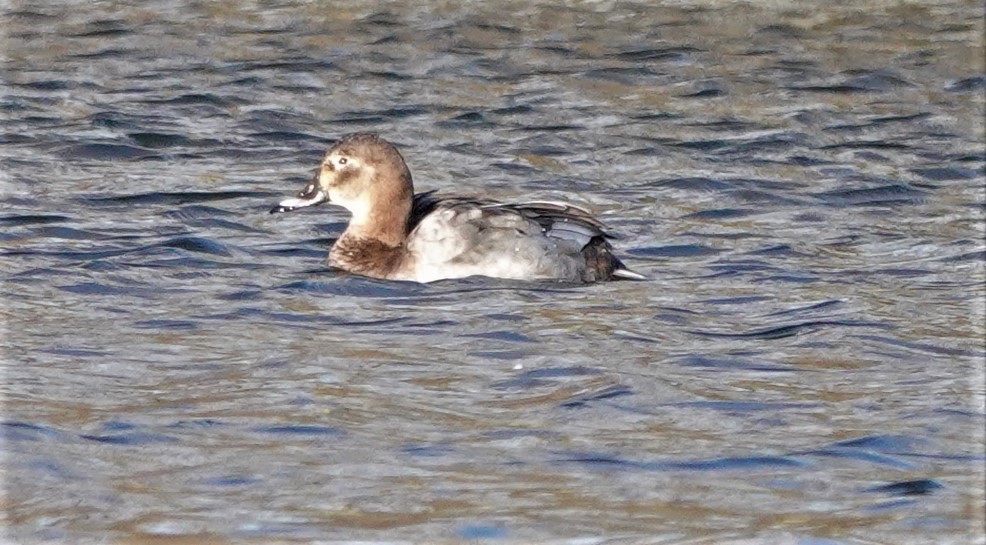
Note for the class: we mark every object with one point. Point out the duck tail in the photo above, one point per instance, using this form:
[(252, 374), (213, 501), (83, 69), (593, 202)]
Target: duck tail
[(601, 264)]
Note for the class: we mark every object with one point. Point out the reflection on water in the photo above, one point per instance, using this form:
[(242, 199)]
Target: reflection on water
[(803, 185)]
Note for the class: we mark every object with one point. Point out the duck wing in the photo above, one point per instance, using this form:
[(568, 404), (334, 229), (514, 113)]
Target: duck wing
[(475, 232), (556, 219), (567, 221)]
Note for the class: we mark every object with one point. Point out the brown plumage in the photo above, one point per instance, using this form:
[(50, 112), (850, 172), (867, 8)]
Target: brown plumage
[(395, 234)]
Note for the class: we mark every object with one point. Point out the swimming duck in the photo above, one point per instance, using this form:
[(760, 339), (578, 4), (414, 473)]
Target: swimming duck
[(396, 235)]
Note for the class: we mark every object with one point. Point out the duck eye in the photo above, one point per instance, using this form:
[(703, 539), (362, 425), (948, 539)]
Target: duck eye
[(342, 160)]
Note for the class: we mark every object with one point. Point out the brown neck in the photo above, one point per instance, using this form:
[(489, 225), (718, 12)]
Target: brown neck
[(386, 224), (366, 256), (383, 217)]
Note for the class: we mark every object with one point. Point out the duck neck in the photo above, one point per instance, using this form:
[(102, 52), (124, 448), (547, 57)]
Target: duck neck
[(367, 255), (373, 243), (384, 224)]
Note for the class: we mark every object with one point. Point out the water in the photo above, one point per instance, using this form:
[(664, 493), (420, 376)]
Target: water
[(804, 186)]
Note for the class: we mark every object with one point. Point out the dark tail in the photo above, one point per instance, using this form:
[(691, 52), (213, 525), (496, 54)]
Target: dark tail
[(601, 264)]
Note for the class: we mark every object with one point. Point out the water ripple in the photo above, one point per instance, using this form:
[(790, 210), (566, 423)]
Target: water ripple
[(811, 222)]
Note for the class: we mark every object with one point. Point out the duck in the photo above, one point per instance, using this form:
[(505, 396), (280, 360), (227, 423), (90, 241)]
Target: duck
[(395, 234)]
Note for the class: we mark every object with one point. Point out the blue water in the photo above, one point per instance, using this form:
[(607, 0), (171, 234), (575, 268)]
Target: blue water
[(804, 188)]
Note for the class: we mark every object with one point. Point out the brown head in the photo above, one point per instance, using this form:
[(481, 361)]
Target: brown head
[(366, 175)]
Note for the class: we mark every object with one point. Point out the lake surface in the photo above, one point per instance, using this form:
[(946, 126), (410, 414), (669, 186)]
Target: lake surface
[(804, 186)]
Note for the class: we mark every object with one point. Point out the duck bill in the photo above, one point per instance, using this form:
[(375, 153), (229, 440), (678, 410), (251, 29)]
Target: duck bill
[(310, 196)]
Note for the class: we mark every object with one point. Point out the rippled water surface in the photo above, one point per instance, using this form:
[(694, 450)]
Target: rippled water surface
[(804, 187)]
